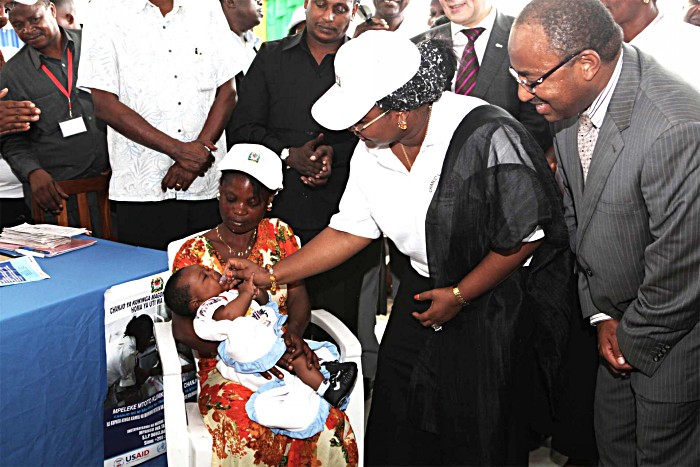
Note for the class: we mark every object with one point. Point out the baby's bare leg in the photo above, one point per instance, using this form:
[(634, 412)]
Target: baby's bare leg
[(309, 376)]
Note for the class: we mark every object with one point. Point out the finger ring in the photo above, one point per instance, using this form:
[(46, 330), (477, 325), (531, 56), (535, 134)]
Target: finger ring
[(436, 327), (177, 185)]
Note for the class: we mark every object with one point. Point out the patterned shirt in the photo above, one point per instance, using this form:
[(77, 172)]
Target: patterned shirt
[(275, 241), (167, 69)]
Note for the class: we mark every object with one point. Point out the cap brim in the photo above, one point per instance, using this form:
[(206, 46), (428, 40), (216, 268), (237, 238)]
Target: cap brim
[(26, 2), (339, 109)]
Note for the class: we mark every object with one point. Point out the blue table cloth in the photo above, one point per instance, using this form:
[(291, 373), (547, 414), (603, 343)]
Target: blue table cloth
[(52, 355)]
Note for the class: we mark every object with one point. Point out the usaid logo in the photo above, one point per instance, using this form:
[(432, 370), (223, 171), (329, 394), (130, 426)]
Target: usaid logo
[(137, 455), (119, 462)]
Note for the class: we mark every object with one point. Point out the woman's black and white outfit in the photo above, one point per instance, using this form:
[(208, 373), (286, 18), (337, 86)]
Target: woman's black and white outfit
[(479, 183)]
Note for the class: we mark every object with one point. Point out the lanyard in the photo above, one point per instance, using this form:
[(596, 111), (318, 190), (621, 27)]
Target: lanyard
[(66, 92)]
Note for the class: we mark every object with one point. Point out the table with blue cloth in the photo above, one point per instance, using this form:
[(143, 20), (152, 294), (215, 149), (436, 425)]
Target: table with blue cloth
[(52, 355)]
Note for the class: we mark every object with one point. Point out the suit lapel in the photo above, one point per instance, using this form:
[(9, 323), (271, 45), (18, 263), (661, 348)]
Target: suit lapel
[(496, 52), (570, 159), (610, 143)]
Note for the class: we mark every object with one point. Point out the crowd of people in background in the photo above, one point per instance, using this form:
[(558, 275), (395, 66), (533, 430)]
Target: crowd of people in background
[(534, 182)]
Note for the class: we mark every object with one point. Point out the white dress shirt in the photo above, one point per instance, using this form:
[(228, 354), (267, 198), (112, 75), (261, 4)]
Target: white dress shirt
[(247, 46), (167, 69), (382, 196), (459, 40)]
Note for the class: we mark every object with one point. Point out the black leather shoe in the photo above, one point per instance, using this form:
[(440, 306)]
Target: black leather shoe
[(342, 379)]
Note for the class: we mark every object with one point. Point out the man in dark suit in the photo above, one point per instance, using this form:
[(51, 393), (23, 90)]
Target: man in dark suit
[(627, 137), (493, 83)]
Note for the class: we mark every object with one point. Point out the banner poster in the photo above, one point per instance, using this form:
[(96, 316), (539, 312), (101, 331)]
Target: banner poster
[(134, 428)]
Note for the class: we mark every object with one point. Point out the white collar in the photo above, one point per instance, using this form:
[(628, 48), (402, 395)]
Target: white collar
[(597, 110), (141, 5), (487, 23)]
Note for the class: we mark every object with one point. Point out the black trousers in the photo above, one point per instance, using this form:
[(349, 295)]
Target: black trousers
[(155, 224)]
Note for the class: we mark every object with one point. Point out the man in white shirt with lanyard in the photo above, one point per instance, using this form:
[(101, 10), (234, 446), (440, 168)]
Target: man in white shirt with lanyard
[(166, 87)]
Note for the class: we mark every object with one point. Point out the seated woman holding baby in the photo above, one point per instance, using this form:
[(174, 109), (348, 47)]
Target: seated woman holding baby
[(250, 177)]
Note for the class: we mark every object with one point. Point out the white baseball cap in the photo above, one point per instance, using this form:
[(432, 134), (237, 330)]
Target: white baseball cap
[(367, 69), (257, 161), (25, 2)]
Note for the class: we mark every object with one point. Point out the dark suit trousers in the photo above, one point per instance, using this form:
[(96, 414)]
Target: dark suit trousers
[(632, 430)]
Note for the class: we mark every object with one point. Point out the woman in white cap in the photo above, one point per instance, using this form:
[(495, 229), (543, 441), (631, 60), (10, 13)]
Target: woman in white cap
[(465, 193), (251, 175)]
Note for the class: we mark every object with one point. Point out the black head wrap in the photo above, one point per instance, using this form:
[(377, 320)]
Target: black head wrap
[(434, 75)]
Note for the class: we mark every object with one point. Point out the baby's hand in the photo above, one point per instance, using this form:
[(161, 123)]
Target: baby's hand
[(248, 287), (261, 296), (227, 280)]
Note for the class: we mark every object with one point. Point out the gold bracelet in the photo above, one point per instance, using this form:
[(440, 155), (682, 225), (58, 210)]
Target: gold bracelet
[(273, 280), (458, 295)]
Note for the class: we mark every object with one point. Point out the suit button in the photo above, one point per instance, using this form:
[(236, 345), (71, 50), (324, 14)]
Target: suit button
[(656, 359), (667, 347), (589, 273)]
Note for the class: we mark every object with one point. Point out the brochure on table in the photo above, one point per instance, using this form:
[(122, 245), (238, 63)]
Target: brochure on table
[(20, 270)]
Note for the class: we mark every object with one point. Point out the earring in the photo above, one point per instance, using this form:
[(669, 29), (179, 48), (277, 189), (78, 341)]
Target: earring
[(403, 125), (218, 196), (646, 1), (269, 207)]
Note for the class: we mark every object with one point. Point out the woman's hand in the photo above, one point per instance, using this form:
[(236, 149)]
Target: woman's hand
[(443, 308), (296, 347), (239, 269)]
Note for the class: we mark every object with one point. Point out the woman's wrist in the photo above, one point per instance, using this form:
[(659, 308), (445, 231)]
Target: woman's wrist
[(273, 279), (461, 301)]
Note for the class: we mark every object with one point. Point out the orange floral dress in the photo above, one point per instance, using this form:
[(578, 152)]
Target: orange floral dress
[(239, 441)]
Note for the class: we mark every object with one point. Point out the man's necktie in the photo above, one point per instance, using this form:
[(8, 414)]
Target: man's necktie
[(587, 136), (469, 64)]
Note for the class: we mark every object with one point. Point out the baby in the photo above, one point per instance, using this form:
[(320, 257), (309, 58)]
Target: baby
[(252, 343)]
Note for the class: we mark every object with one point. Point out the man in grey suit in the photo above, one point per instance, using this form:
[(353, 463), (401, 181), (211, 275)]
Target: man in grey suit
[(627, 137), (493, 83)]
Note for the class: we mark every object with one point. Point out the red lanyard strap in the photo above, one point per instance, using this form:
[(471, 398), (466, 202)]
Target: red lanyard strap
[(52, 77)]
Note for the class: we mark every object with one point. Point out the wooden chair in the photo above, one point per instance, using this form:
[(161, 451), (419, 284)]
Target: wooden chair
[(81, 188)]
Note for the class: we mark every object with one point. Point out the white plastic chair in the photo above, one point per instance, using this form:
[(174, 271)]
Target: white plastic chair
[(188, 439)]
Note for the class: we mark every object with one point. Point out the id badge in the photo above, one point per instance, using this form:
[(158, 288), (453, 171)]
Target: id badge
[(72, 126)]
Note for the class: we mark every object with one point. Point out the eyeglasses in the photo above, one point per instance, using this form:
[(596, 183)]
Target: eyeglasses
[(358, 131), (531, 85)]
